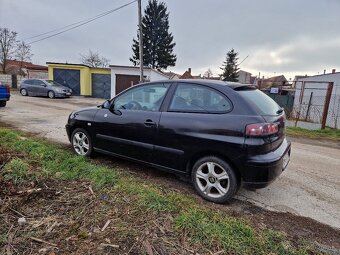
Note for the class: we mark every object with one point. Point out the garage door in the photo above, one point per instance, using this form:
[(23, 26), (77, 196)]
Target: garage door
[(101, 85), (68, 78), (125, 81)]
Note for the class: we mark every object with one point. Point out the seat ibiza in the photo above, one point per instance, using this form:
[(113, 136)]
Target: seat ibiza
[(218, 133)]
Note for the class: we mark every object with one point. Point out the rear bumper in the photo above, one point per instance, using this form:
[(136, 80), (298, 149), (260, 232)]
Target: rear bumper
[(5, 98), (261, 170)]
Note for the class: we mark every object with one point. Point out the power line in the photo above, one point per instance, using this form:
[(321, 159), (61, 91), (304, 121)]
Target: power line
[(77, 24), (60, 28)]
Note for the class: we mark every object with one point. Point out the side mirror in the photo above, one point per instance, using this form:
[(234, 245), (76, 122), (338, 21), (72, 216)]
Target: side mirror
[(106, 104)]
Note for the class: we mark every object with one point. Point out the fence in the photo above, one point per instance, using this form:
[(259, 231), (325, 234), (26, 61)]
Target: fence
[(285, 100), (317, 102)]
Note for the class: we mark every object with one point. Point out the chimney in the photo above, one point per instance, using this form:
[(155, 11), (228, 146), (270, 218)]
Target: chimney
[(189, 70), (333, 70), (324, 71)]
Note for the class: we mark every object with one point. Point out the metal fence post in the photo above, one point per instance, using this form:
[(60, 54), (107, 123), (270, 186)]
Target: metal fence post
[(326, 106)]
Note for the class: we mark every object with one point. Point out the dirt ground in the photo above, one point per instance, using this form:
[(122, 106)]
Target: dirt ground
[(309, 187), (67, 217)]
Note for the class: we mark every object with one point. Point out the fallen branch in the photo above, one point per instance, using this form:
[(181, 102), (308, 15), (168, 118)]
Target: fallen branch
[(106, 225), (109, 245), (17, 212), (42, 241)]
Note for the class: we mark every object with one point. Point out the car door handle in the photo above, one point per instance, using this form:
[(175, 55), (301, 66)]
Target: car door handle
[(149, 123)]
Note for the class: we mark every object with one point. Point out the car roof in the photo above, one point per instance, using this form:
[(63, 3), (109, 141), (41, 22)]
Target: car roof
[(207, 82)]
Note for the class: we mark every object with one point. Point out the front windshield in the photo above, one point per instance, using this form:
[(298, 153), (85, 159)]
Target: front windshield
[(53, 83)]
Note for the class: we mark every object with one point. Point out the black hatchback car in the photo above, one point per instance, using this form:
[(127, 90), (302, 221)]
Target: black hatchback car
[(221, 134)]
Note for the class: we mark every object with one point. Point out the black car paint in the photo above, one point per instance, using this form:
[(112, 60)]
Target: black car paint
[(172, 141)]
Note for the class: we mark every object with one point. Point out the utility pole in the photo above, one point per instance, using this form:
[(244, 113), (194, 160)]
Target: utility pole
[(141, 77)]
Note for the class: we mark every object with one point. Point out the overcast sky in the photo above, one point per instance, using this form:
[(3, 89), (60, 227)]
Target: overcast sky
[(281, 37)]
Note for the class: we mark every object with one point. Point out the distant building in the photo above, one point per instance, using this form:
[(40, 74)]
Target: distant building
[(26, 69), (172, 75), (244, 77), (187, 75), (273, 81)]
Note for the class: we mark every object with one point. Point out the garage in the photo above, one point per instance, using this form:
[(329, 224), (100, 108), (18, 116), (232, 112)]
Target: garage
[(69, 78), (124, 81), (101, 85), (123, 77)]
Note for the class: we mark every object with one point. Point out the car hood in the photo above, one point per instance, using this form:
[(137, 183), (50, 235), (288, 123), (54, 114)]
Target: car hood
[(86, 114)]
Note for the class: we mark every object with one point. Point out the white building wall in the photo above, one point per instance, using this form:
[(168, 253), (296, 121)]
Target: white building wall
[(149, 74), (319, 94)]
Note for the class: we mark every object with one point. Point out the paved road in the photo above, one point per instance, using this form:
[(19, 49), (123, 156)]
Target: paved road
[(309, 187)]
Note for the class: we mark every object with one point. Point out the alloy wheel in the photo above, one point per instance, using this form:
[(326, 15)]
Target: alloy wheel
[(51, 94), (24, 92), (81, 143), (212, 179)]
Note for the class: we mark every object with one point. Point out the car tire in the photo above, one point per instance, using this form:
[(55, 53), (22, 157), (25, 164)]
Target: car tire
[(51, 94), (81, 142), (24, 92), (3, 103), (214, 179)]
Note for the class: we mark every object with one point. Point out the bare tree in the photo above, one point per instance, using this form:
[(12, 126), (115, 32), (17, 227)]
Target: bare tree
[(208, 73), (23, 53), (93, 59), (8, 41)]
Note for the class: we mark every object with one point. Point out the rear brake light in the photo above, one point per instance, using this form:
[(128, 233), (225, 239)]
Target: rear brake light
[(262, 129), (8, 89)]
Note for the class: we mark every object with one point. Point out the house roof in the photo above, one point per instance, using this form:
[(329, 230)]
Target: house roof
[(25, 64), (137, 67), (280, 78), (171, 74), (74, 64), (186, 75)]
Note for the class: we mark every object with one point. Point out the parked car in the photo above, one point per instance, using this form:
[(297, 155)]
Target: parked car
[(40, 87), (221, 134), (4, 95)]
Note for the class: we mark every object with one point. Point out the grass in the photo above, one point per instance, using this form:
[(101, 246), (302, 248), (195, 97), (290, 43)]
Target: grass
[(327, 133), (203, 226)]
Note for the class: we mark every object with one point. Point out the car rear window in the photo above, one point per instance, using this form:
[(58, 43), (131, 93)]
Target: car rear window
[(264, 103)]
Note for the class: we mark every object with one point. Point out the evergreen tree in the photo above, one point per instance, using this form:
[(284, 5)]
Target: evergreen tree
[(158, 43), (230, 67)]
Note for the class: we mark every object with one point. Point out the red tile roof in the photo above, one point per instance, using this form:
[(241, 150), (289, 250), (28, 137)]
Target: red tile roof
[(27, 65)]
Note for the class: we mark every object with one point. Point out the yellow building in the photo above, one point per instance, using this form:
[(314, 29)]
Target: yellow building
[(82, 79)]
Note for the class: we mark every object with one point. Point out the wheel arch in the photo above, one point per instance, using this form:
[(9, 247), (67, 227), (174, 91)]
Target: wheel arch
[(194, 158)]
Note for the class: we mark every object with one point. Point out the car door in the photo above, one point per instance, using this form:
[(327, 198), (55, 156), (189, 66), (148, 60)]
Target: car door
[(196, 121), (29, 86), (129, 127), (41, 88)]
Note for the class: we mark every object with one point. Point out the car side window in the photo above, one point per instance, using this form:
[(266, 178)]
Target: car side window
[(39, 83), (143, 98), (29, 82), (201, 99)]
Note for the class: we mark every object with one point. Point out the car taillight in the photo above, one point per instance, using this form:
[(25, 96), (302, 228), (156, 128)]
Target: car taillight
[(262, 129), (8, 89)]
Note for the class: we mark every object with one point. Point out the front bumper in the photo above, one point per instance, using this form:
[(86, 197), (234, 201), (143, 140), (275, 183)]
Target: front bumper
[(261, 170), (62, 94), (68, 131)]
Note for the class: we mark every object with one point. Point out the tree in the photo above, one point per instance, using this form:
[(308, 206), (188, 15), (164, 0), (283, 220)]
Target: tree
[(93, 59), (8, 41), (158, 43), (23, 53), (230, 67), (208, 74)]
